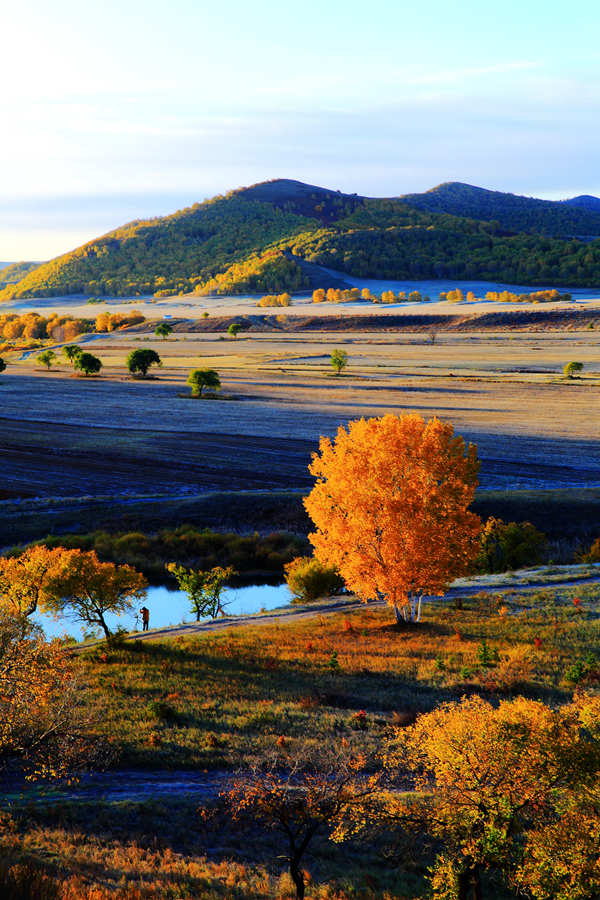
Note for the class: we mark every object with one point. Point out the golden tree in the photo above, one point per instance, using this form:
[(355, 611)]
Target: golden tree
[(512, 788), (44, 725), (25, 579), (391, 508), (86, 589)]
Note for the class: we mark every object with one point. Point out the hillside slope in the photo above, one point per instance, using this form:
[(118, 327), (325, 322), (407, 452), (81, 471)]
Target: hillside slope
[(15, 272), (577, 217), (272, 237)]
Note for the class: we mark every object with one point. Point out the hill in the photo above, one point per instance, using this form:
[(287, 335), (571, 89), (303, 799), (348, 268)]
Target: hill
[(12, 273), (577, 217), (585, 201), (279, 236)]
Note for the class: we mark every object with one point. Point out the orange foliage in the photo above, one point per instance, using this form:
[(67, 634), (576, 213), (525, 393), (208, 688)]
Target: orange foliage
[(25, 579), (86, 589), (501, 783), (41, 721), (391, 507)]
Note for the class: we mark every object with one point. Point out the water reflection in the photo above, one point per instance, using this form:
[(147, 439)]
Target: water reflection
[(171, 607)]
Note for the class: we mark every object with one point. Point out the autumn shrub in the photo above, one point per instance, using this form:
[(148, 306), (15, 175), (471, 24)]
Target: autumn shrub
[(309, 579), (593, 556), (26, 879), (189, 545), (512, 545)]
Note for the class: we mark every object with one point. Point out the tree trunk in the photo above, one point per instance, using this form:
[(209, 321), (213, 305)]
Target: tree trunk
[(104, 625), (297, 876)]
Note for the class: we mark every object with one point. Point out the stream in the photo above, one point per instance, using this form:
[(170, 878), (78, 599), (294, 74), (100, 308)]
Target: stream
[(171, 607)]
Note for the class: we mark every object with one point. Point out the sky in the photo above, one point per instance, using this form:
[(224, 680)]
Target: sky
[(136, 108)]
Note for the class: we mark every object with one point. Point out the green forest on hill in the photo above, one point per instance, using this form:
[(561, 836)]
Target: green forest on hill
[(510, 210), (235, 244)]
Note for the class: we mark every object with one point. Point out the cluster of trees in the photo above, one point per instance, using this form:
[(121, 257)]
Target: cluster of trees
[(533, 297), (271, 271), (335, 295), (17, 271), (32, 326), (197, 548), (111, 321), (510, 211), (276, 300), (510, 789), (71, 583), (427, 253), (173, 253)]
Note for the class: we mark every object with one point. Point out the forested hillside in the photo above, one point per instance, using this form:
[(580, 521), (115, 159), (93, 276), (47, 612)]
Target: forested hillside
[(267, 237), (15, 272), (577, 217)]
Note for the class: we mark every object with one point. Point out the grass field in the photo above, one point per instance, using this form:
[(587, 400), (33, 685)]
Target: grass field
[(70, 436)]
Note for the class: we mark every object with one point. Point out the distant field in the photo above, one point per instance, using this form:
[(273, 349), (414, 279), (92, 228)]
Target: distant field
[(66, 436)]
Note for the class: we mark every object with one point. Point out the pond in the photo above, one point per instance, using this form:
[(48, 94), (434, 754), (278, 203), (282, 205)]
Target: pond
[(172, 607)]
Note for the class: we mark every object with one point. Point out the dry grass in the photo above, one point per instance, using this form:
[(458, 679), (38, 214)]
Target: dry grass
[(206, 700)]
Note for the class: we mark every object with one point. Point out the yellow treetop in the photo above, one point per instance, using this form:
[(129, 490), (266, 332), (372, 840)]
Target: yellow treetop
[(391, 506)]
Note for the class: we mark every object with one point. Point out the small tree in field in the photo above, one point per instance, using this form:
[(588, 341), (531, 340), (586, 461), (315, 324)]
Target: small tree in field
[(298, 796), (47, 358), (163, 330), (234, 329), (391, 508), (569, 369), (70, 351), (201, 378), (85, 589), (141, 360), (87, 363), (339, 360), (204, 589)]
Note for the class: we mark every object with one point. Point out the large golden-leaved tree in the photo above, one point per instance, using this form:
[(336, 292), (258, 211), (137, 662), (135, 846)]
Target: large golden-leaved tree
[(512, 789), (391, 508)]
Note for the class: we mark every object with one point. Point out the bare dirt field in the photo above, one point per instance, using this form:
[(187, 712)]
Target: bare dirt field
[(67, 436)]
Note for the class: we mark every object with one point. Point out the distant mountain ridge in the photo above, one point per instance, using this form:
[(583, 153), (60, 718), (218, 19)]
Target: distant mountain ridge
[(577, 217), (12, 273), (279, 236)]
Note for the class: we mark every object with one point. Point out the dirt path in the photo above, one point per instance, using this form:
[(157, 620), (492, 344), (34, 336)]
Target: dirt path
[(285, 615)]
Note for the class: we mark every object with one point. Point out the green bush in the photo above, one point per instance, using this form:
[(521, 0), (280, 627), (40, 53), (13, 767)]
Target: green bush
[(515, 545), (308, 579)]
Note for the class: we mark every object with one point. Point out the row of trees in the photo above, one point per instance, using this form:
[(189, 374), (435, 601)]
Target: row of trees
[(33, 326), (333, 295)]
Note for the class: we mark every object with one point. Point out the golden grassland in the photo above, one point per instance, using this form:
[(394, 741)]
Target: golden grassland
[(206, 700), (492, 387), (203, 702)]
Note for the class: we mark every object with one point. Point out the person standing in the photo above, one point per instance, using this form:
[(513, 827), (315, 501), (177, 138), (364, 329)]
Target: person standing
[(145, 618)]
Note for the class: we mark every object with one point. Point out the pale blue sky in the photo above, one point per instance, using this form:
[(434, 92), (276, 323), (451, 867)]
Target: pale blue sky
[(125, 109)]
